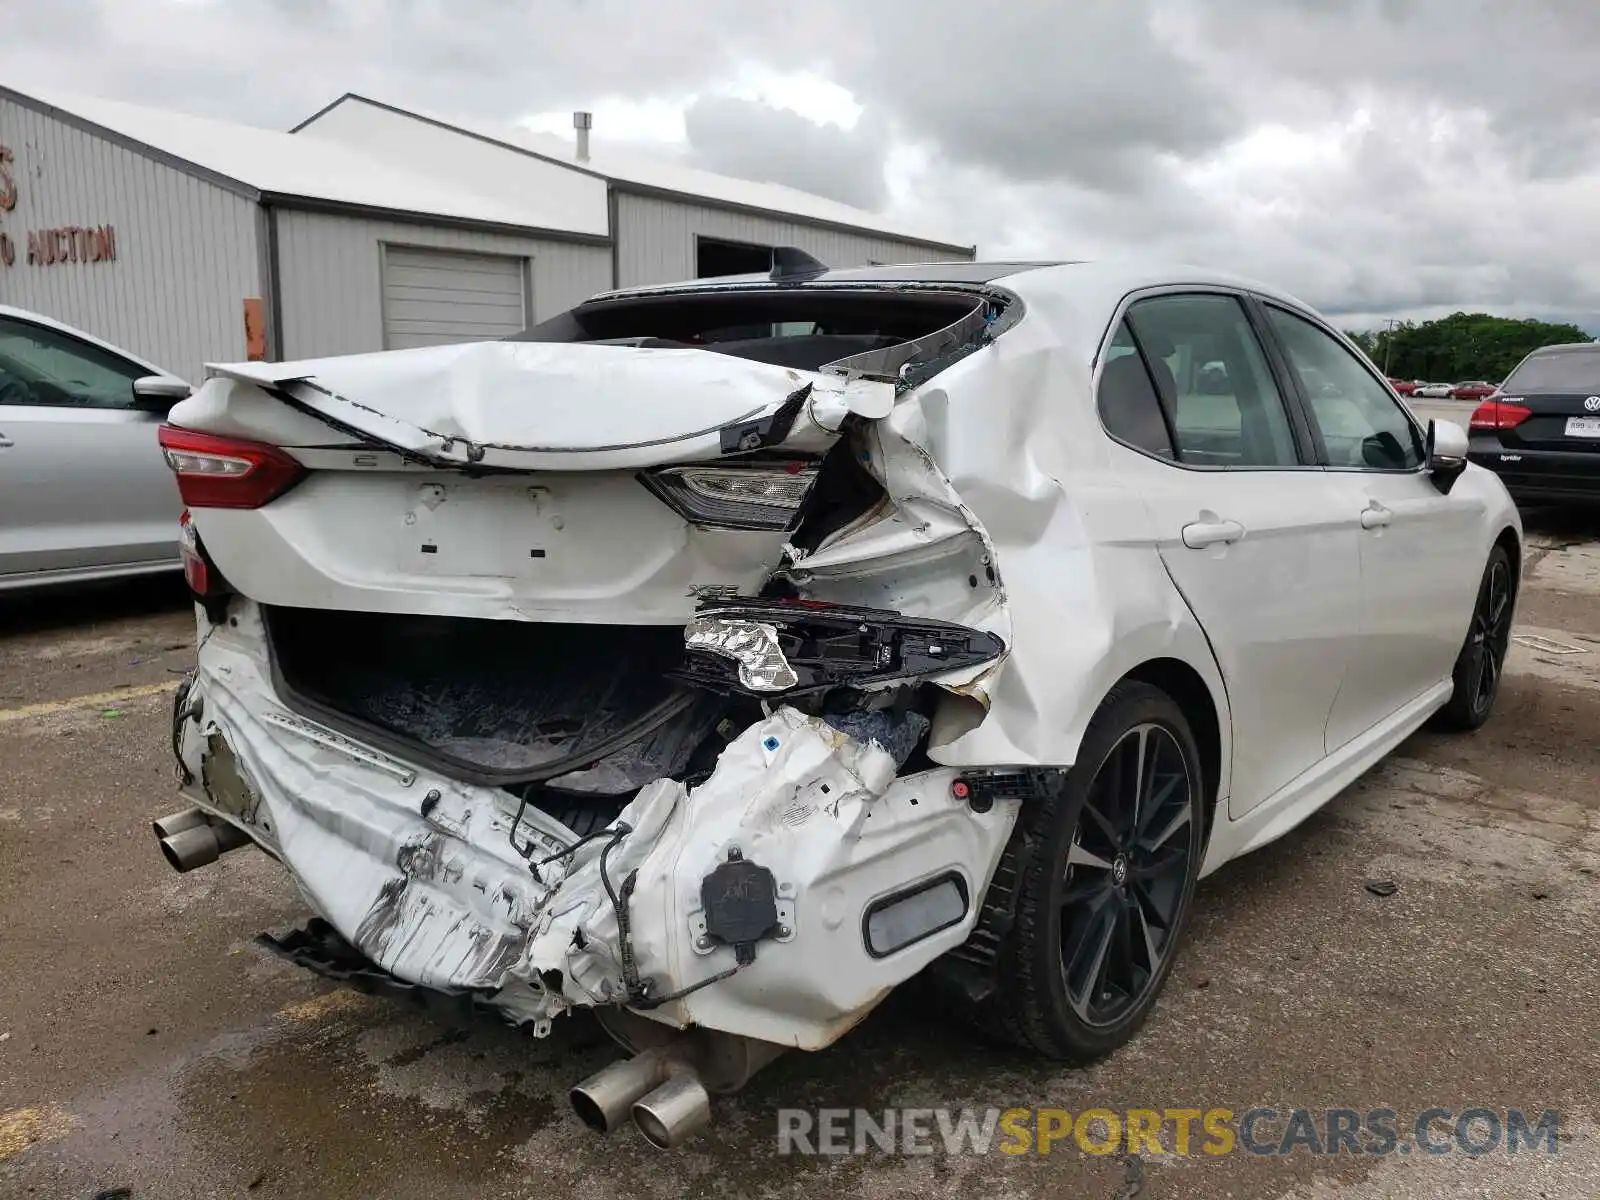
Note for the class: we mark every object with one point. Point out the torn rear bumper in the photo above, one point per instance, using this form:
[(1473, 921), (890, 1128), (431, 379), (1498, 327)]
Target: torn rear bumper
[(778, 899)]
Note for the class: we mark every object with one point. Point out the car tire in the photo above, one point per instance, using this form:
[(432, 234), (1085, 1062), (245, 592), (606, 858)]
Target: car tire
[(1479, 666), (1098, 928)]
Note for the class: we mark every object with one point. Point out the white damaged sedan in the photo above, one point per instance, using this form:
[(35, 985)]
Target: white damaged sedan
[(717, 657)]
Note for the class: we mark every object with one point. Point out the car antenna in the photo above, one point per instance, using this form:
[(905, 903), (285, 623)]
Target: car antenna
[(793, 265)]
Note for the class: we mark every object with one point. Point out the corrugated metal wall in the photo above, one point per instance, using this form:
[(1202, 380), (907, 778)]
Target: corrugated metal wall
[(656, 240), (437, 297), (185, 249), (329, 283)]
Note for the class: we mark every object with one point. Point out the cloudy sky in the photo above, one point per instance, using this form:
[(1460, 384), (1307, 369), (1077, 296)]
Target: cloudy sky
[(1378, 157)]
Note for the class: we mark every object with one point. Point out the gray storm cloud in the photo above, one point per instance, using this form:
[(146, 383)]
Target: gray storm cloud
[(1041, 129)]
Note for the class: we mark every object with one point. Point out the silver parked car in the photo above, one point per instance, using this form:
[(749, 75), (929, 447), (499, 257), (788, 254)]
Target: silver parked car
[(1433, 391), (84, 491)]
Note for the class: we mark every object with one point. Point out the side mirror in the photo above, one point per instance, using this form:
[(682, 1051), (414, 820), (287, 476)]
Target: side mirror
[(1447, 453), (160, 391)]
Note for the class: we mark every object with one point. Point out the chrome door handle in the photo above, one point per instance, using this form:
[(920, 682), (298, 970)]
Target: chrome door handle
[(5, 442), (1200, 534), (1375, 516)]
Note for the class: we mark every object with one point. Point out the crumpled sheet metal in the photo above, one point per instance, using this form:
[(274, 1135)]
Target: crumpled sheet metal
[(574, 405), (436, 894), (441, 900), (827, 815), (979, 529)]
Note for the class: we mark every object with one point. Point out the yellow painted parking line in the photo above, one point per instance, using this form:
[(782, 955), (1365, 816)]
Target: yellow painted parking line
[(24, 1127), (111, 699)]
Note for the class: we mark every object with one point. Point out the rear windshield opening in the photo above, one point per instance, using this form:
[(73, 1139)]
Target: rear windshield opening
[(1575, 370), (794, 327)]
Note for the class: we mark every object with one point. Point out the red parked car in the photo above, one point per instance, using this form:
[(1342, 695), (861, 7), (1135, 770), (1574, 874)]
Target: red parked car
[(1475, 389), (1404, 387)]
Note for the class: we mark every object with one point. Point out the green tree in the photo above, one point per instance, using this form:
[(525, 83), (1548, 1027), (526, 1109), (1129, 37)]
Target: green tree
[(1365, 340), (1462, 345)]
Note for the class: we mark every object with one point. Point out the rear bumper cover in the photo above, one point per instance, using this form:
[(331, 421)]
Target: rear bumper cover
[(1539, 474), (421, 875)]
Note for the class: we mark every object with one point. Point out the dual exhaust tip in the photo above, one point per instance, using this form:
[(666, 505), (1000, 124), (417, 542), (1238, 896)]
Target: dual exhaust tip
[(659, 1090), (191, 838)]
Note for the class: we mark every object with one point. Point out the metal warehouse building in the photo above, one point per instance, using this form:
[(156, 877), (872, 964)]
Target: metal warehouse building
[(187, 240)]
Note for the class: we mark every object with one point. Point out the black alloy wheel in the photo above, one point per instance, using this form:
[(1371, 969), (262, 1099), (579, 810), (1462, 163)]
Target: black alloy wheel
[(1108, 882), (1481, 663), (1125, 877)]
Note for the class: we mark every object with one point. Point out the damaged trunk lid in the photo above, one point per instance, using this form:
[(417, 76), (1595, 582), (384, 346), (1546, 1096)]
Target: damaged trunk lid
[(572, 406), (516, 481), (491, 559)]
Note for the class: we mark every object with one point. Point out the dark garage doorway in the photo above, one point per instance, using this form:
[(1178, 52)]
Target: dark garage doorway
[(713, 257)]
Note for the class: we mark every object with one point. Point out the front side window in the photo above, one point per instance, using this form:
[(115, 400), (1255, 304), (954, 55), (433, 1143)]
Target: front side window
[(1211, 374), (1362, 423), (43, 366)]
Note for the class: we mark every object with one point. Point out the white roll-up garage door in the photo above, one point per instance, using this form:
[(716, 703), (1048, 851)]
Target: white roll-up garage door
[(434, 297)]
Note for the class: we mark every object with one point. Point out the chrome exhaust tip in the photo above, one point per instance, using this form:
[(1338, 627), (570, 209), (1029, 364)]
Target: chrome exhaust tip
[(673, 1113), (175, 823), (195, 845), (605, 1100), (666, 1089)]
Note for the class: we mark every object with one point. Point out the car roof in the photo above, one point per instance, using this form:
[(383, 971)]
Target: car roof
[(1022, 275), (1568, 348), (956, 272), (1076, 299), (23, 314)]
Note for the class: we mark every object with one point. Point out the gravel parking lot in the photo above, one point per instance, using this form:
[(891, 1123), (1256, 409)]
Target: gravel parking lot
[(147, 1045)]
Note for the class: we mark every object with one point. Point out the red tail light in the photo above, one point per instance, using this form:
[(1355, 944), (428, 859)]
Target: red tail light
[(196, 571), (1498, 414), (221, 472)]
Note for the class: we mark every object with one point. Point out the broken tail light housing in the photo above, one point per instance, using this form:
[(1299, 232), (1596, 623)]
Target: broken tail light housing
[(200, 573), (1498, 414), (224, 472), (768, 647), (196, 570), (762, 495)]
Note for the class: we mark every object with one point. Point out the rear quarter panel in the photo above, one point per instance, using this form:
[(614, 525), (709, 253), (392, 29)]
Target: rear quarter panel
[(1015, 429)]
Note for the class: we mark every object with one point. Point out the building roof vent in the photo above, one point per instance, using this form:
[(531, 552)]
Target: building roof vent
[(583, 122)]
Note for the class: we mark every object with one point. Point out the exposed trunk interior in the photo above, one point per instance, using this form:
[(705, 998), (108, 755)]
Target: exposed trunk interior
[(581, 708)]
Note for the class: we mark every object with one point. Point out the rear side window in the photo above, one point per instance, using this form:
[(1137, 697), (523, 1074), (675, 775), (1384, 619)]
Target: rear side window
[(1129, 407), (1211, 376), (1557, 371)]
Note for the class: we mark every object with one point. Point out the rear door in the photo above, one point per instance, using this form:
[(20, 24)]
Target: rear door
[(82, 481), (1421, 551), (1250, 530)]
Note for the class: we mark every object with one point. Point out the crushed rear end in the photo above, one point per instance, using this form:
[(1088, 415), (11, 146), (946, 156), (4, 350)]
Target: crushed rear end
[(611, 672)]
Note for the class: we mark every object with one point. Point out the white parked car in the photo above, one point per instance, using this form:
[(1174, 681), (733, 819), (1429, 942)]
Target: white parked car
[(84, 494), (717, 657), (1433, 391)]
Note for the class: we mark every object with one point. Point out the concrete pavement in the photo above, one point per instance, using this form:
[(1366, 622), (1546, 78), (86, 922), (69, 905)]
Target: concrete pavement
[(146, 1044)]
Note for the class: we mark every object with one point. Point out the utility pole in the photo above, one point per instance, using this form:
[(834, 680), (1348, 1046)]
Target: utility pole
[(1388, 344)]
